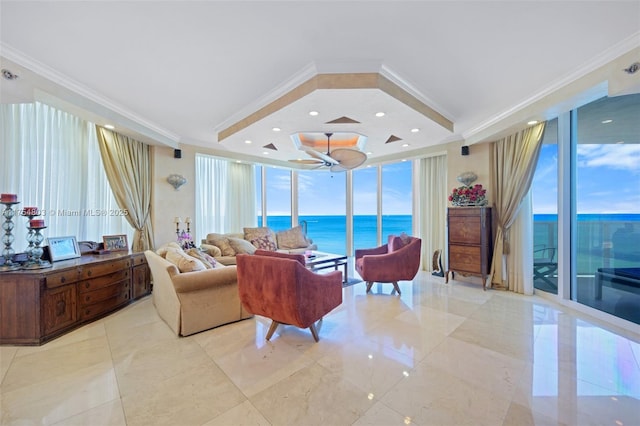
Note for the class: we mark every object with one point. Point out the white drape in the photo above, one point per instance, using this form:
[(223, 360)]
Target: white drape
[(50, 158), (432, 190), (225, 196)]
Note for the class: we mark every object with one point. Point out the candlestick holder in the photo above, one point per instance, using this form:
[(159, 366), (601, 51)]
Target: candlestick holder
[(35, 252), (34, 238), (7, 238)]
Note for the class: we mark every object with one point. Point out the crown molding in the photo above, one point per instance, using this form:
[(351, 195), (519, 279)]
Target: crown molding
[(79, 89), (600, 60)]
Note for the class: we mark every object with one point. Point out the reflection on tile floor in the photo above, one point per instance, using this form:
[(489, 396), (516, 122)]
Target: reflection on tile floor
[(439, 354)]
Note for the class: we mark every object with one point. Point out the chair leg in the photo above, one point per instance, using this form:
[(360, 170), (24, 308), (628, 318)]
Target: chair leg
[(395, 286), (314, 332), (272, 329), (369, 285)]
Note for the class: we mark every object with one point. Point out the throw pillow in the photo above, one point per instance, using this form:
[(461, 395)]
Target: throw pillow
[(405, 238), (395, 243), (251, 234), (162, 250), (241, 246), (202, 257), (291, 238), (222, 242), (183, 261), (264, 243), (211, 250)]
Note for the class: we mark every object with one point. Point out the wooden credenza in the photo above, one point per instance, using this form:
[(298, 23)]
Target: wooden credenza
[(470, 242), (39, 305)]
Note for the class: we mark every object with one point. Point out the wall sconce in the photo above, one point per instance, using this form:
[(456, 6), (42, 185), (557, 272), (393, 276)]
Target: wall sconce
[(176, 181)]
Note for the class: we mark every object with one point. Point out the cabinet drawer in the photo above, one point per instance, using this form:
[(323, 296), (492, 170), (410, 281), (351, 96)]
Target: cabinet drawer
[(465, 259), (138, 259), (104, 293), (103, 307), (63, 278), (105, 268), (466, 230), (103, 281)]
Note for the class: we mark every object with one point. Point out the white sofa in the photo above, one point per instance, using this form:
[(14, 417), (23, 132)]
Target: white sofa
[(190, 302), (224, 247)]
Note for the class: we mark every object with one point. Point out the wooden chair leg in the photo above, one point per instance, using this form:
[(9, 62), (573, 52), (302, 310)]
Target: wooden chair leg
[(395, 286), (272, 329), (369, 285), (314, 332)]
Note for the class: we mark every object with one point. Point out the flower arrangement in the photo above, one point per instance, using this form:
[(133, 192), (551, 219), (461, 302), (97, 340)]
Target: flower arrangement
[(468, 195)]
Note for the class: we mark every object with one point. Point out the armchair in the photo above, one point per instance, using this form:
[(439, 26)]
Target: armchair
[(279, 286), (397, 260)]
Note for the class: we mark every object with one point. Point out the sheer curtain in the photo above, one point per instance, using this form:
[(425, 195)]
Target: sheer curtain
[(513, 164), (50, 158), (225, 196), (432, 190)]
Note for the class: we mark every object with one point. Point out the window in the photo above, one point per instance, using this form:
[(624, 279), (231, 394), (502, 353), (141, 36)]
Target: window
[(278, 198), (397, 201)]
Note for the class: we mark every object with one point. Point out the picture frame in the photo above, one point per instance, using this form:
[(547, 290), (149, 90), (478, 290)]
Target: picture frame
[(115, 242), (63, 248)]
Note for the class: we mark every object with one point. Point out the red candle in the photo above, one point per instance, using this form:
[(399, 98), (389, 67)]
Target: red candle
[(30, 211), (9, 198), (36, 223)]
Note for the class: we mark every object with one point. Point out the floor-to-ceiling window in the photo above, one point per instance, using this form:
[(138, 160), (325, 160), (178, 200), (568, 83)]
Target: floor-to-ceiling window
[(397, 202), (607, 194), (601, 195), (545, 213), (365, 207), (278, 198), (322, 208)]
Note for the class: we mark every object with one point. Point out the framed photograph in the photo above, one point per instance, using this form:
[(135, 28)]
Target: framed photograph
[(62, 248), (115, 242)]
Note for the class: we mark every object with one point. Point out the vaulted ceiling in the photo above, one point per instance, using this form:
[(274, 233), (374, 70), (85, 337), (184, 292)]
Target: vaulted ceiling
[(218, 74)]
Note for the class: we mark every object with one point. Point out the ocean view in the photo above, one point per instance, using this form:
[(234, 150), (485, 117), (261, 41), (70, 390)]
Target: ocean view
[(595, 234)]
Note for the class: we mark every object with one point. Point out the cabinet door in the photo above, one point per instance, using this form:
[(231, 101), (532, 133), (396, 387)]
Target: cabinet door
[(141, 285), (59, 308), (465, 230)]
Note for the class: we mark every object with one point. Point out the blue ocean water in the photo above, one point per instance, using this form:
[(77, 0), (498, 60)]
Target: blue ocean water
[(330, 232)]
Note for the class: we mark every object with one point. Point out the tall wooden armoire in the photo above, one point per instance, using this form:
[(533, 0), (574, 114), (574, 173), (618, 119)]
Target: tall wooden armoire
[(470, 243)]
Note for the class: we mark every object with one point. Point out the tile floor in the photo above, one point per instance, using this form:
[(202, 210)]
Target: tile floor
[(439, 354)]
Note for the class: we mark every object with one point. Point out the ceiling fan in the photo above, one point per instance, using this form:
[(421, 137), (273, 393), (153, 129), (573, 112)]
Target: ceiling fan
[(338, 160)]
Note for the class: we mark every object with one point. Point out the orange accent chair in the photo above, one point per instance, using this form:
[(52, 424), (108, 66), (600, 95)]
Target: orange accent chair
[(280, 287), (397, 260)]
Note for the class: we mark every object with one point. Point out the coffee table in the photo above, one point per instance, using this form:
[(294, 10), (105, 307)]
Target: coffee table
[(320, 260)]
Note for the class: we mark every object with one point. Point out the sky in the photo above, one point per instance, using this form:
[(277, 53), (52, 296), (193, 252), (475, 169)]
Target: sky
[(608, 179), (323, 193)]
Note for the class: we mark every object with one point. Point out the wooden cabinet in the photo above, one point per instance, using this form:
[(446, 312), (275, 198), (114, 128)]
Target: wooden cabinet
[(470, 242), (39, 305)]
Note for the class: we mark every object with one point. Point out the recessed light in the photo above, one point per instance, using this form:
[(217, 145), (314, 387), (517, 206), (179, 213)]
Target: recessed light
[(403, 160), (313, 113), (619, 142), (380, 114), (238, 161), (415, 130), (248, 141), (607, 121), (532, 122), (109, 126), (265, 152), (369, 153), (276, 129), (404, 145)]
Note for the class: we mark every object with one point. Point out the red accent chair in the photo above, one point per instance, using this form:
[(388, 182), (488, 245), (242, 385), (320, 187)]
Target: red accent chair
[(397, 260), (280, 287)]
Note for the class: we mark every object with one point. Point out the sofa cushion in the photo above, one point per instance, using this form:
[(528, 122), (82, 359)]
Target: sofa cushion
[(208, 261), (222, 242), (211, 250), (291, 238), (162, 250), (183, 261), (265, 243), (241, 246)]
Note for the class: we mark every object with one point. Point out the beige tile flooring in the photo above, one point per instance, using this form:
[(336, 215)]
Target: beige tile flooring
[(439, 354)]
